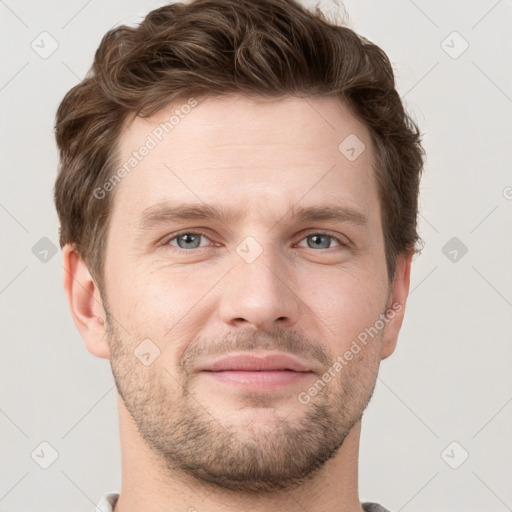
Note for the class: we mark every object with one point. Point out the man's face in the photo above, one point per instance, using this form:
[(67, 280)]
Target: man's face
[(260, 280)]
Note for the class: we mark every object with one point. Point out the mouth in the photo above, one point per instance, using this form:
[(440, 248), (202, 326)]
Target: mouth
[(256, 378), (263, 372)]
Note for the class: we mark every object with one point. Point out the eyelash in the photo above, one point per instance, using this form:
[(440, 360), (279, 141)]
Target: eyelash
[(166, 242)]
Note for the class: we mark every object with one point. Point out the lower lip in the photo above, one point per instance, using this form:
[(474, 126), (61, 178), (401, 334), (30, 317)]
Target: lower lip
[(258, 379)]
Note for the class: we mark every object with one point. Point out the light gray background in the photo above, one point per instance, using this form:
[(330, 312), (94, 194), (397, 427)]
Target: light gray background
[(449, 379)]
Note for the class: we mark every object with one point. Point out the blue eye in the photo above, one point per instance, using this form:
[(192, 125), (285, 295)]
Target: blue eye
[(321, 240), (188, 240)]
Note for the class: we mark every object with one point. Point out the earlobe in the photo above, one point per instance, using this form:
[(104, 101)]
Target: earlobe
[(85, 303), (396, 304)]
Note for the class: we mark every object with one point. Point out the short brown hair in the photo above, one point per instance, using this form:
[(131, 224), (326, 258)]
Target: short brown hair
[(270, 48)]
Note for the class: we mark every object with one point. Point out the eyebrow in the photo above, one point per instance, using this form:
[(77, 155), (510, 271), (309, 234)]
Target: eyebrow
[(163, 213)]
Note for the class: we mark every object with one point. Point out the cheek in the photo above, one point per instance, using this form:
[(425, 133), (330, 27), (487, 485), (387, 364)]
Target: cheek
[(343, 303), (162, 301), (166, 302)]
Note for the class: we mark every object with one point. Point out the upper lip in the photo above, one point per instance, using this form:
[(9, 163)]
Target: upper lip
[(251, 362)]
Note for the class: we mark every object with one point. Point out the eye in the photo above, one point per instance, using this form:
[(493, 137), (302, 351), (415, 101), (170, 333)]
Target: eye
[(187, 240), (321, 240)]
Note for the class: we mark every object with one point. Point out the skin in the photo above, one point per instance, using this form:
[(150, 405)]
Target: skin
[(187, 441)]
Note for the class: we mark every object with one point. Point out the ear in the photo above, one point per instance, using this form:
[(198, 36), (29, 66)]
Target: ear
[(395, 308), (85, 303)]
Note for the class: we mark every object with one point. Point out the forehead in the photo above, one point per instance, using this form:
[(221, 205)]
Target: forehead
[(246, 151)]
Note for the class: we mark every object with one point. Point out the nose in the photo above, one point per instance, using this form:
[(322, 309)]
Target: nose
[(260, 293)]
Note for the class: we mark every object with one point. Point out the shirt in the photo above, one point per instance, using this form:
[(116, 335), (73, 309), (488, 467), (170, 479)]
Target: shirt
[(108, 500)]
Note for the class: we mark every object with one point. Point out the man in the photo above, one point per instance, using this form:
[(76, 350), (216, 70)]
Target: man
[(238, 196)]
